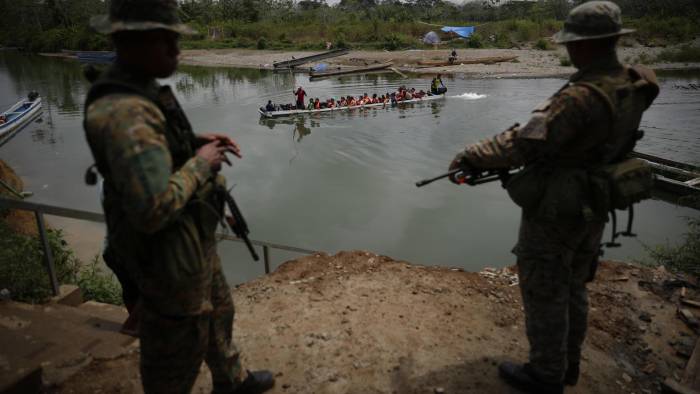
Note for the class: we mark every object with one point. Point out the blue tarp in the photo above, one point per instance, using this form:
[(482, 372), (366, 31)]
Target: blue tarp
[(320, 67), (462, 31)]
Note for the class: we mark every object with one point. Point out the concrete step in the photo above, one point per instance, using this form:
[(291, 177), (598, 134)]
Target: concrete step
[(57, 339)]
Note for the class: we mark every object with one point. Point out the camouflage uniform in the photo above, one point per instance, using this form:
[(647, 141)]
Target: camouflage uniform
[(162, 213), (585, 125)]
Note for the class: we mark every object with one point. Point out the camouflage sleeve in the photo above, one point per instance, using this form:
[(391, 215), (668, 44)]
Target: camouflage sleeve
[(140, 163), (554, 125)]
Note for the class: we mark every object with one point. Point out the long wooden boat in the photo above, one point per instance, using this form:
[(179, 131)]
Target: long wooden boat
[(457, 62), (275, 114), (101, 57), (20, 114), (374, 67), (679, 179), (311, 58)]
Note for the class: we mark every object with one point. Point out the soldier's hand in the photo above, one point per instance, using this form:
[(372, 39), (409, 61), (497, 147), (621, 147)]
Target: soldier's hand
[(459, 162), (215, 154), (223, 140)]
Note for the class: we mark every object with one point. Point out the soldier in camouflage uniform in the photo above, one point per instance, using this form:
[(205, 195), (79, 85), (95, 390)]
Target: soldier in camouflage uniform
[(162, 206), (591, 122)]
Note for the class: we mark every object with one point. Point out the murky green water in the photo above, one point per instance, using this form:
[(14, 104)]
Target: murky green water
[(345, 180)]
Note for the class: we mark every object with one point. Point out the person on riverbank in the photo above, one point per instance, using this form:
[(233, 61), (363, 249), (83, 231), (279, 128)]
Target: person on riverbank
[(300, 94), (161, 204), (589, 125)]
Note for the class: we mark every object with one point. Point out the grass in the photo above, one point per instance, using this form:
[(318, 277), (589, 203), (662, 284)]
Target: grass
[(685, 54), (682, 257), (22, 269)]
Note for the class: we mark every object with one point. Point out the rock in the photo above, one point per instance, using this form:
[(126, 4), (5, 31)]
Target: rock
[(286, 386), (627, 378), (645, 316), (439, 390), (5, 295)]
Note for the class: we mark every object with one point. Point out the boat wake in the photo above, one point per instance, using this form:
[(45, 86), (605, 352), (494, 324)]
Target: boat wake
[(470, 96)]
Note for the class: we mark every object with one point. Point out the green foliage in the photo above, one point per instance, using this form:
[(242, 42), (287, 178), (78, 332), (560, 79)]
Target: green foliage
[(22, 269), (683, 257), (542, 44), (97, 285), (262, 44), (396, 41), (663, 31), (475, 41), (565, 62), (685, 54)]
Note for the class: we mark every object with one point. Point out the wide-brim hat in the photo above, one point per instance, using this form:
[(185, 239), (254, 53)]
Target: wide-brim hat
[(591, 21), (140, 15)]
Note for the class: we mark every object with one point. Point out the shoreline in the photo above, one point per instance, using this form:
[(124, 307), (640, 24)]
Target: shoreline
[(530, 63)]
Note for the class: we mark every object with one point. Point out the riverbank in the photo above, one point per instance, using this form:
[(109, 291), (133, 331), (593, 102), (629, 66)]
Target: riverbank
[(357, 322), (530, 63)]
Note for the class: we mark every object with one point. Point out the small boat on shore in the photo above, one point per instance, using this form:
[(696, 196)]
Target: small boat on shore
[(375, 67), (23, 112), (678, 179), (457, 62), (275, 114)]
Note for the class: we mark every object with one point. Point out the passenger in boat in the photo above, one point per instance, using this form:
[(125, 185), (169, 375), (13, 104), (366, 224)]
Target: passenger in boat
[(351, 101), (375, 99), (3, 119), (436, 86), (408, 95), (269, 107), (394, 100), (342, 102), (300, 93), (317, 103), (311, 104), (331, 103)]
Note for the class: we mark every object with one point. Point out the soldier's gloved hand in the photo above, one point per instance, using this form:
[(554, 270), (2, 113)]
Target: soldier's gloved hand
[(459, 162), (215, 154)]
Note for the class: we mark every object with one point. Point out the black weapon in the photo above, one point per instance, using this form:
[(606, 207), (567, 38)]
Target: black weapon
[(237, 223), (471, 177)]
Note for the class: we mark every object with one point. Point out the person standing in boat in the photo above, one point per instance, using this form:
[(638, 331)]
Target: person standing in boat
[(436, 86), (300, 93), (161, 205), (584, 130)]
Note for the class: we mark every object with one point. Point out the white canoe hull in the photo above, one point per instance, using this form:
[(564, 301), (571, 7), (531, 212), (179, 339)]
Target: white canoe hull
[(276, 114), (17, 119)]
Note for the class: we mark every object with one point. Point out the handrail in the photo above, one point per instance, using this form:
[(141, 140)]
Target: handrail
[(41, 209)]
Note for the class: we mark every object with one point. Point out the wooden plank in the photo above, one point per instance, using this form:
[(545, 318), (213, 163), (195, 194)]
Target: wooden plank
[(691, 302), (481, 60), (661, 160), (691, 376)]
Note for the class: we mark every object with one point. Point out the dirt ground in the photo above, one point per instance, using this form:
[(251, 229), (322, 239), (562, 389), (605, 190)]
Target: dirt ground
[(357, 322), (531, 63)]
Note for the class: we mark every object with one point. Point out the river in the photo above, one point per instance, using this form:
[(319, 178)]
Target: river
[(339, 181)]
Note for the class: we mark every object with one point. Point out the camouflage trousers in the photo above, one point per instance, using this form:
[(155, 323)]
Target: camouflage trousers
[(555, 260), (173, 348)]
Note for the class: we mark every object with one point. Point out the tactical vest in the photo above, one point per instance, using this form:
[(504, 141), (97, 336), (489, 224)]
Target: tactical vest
[(581, 181), (172, 267)]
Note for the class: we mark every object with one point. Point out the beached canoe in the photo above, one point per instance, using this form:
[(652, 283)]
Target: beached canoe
[(375, 67), (457, 62), (275, 114), (20, 114), (99, 57), (679, 179)]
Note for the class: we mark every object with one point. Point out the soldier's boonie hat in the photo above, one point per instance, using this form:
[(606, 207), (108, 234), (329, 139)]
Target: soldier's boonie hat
[(592, 20), (140, 15)]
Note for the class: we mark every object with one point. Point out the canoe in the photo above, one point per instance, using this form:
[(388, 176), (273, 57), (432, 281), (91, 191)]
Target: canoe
[(101, 57), (19, 115), (679, 179), (375, 67), (275, 114), (457, 62)]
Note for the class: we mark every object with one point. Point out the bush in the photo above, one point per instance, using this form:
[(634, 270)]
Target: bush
[(542, 44), (475, 41), (22, 268), (98, 285), (395, 41), (683, 257), (262, 44), (564, 61)]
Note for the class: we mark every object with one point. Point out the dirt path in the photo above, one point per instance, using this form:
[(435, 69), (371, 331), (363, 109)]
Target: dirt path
[(531, 63), (362, 323)]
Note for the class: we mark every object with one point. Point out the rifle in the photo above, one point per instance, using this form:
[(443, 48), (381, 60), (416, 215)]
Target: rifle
[(237, 223), (471, 177)]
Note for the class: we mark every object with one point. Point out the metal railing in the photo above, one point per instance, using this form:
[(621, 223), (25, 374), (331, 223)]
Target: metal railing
[(41, 209)]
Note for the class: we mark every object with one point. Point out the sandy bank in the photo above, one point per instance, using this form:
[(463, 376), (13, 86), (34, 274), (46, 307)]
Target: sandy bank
[(362, 323), (530, 63)]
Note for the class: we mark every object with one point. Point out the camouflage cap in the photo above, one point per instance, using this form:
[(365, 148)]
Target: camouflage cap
[(139, 15), (592, 20)]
